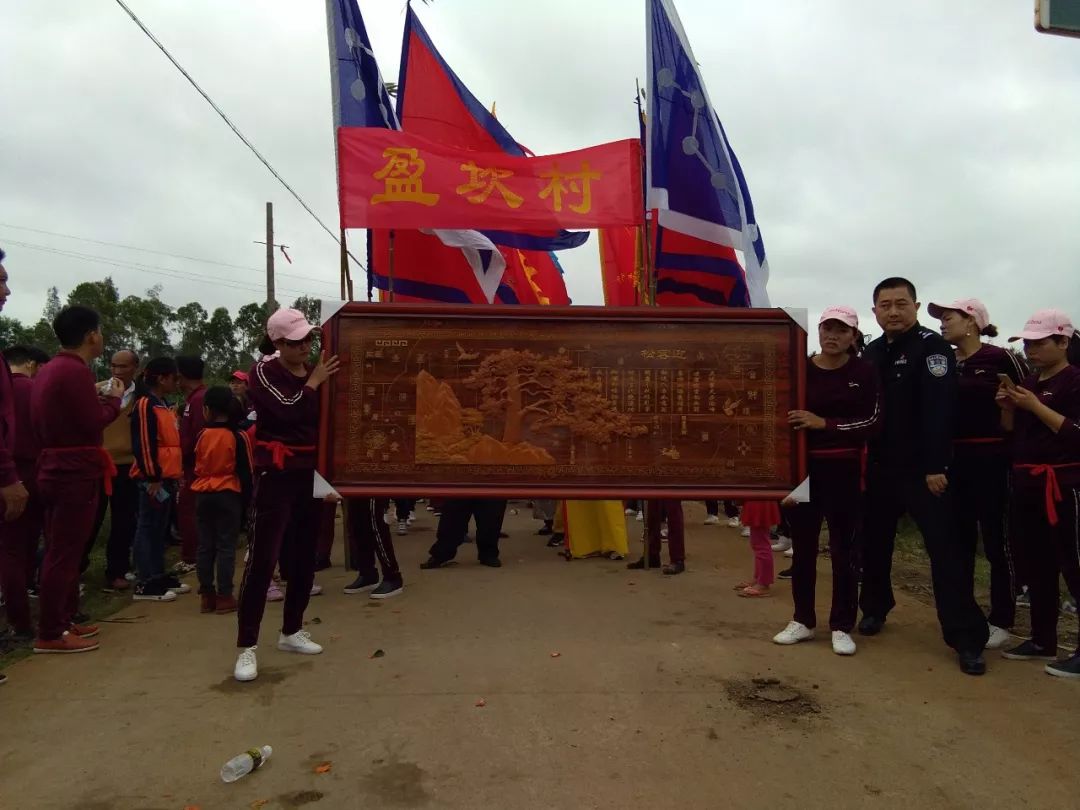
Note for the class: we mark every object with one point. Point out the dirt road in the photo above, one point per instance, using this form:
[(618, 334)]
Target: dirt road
[(651, 702)]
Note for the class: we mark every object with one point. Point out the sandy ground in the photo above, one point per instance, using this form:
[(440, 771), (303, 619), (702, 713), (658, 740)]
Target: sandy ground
[(651, 702)]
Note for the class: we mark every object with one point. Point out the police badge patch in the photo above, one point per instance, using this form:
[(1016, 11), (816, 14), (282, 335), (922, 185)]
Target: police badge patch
[(938, 365)]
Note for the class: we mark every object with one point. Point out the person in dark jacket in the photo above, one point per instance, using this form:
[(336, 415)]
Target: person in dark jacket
[(908, 473), (979, 475)]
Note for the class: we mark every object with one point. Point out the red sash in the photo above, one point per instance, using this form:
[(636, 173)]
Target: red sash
[(279, 451), (1053, 489), (108, 466)]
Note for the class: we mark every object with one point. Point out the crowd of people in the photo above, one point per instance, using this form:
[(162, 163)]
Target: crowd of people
[(962, 437)]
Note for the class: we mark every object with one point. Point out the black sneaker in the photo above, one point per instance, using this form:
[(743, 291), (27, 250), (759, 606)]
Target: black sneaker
[(639, 565), (17, 639), (174, 584), (3, 678), (323, 564), (1029, 651), (545, 530), (364, 582), (1065, 667), (556, 540), (80, 618), (152, 592), (491, 562), (431, 563), (388, 588), (971, 662), (785, 574), (674, 568), (32, 592), (871, 625)]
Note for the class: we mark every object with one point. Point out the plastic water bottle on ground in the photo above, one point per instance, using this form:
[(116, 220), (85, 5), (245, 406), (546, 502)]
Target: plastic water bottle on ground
[(245, 763)]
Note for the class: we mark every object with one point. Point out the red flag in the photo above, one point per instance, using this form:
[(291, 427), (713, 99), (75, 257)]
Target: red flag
[(620, 266)]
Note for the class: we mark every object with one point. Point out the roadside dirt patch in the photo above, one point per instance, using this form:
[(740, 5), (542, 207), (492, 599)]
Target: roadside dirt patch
[(771, 698)]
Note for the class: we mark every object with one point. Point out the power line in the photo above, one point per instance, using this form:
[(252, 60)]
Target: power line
[(168, 272), (161, 253), (233, 127)]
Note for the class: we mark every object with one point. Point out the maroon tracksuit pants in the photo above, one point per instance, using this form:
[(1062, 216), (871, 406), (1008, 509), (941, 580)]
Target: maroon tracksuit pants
[(836, 497), (369, 538), (1051, 553), (655, 513), (187, 520), (284, 529), (70, 508), (327, 520), (18, 550)]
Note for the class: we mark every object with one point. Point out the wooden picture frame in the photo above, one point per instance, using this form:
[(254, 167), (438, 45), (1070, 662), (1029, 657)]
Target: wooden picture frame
[(563, 402)]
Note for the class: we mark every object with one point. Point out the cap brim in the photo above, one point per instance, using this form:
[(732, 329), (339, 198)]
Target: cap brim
[(1032, 336), (303, 332), (936, 310)]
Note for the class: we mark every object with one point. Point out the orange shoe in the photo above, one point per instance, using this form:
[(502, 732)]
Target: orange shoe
[(207, 603), (67, 643), (84, 630), (226, 604)]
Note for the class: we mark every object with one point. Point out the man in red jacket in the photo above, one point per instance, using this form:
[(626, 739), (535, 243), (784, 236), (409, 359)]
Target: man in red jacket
[(191, 424), (19, 538), (69, 416)]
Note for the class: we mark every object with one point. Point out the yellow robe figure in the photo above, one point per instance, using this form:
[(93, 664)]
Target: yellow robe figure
[(595, 528)]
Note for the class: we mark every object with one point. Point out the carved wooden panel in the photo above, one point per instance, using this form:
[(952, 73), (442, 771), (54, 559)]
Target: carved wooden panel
[(563, 402)]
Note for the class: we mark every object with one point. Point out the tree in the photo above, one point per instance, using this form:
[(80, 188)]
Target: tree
[(12, 332), (147, 321), (52, 305), (251, 327), (191, 319), (546, 391), (219, 346)]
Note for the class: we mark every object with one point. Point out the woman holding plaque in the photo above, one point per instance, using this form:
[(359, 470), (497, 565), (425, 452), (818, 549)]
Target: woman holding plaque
[(843, 409), (284, 390)]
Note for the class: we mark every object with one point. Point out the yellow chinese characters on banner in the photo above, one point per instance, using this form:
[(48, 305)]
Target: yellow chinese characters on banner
[(580, 182), (402, 177), (484, 181)]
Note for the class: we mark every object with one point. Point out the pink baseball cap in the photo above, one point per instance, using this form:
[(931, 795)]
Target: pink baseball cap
[(239, 375), (971, 307), (289, 324), (846, 315), (1046, 323)]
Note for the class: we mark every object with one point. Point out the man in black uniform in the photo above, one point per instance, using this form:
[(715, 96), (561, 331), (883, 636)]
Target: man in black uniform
[(454, 524), (908, 471)]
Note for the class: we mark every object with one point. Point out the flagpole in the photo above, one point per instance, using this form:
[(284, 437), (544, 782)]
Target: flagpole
[(390, 273)]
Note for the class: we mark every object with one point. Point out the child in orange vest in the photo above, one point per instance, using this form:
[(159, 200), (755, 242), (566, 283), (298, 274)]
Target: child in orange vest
[(222, 488), (155, 441)]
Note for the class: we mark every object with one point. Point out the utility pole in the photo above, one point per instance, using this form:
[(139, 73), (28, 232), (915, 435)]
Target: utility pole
[(271, 295)]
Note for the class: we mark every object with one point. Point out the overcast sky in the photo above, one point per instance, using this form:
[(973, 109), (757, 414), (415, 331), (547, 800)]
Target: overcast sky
[(935, 140)]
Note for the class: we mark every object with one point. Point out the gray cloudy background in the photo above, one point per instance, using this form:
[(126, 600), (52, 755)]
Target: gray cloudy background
[(935, 140)]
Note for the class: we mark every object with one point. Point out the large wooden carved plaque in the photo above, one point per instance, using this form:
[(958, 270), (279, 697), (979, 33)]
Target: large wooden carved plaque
[(579, 402)]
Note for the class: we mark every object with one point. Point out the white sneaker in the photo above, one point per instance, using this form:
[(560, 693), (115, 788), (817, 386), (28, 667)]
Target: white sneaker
[(789, 553), (793, 634), (712, 520), (733, 523), (316, 589), (999, 637), (842, 643), (782, 543), (663, 534), (745, 531), (640, 516), (298, 642), (629, 512), (402, 528), (247, 669)]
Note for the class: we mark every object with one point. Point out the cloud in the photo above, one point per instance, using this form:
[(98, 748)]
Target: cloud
[(917, 139)]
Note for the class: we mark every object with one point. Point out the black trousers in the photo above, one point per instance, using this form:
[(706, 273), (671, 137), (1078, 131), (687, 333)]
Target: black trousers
[(454, 524), (124, 503), (403, 506), (219, 516), (891, 494), (980, 488), (369, 537)]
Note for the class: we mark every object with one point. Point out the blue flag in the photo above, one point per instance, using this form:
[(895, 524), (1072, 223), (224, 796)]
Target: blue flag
[(693, 178)]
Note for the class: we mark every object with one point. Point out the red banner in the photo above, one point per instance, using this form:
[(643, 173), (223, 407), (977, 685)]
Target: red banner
[(393, 179)]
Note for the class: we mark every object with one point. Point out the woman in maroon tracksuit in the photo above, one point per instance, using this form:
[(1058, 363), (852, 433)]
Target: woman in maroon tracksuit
[(284, 391), (1045, 416), (979, 474), (843, 411)]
